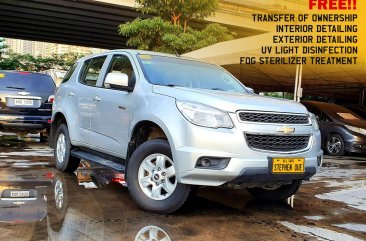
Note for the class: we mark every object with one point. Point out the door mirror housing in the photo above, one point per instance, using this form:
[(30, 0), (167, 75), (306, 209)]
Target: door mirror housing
[(119, 81), (251, 90)]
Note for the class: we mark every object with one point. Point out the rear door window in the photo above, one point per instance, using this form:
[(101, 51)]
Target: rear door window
[(69, 73), (91, 71), (32, 82)]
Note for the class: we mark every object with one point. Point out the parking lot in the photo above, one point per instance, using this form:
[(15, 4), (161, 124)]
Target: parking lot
[(94, 205)]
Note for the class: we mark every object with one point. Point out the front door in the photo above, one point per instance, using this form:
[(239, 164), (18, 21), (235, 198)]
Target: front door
[(110, 121)]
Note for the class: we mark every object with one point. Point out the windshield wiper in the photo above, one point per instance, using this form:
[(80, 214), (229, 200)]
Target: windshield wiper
[(217, 89), (17, 88)]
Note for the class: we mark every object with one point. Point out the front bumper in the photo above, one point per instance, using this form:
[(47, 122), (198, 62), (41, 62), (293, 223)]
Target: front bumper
[(355, 143), (246, 164), (24, 123)]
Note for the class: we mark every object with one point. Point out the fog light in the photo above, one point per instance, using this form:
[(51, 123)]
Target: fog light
[(205, 162), (357, 146), (212, 162)]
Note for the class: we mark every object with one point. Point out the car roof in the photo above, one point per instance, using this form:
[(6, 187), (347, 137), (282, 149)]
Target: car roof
[(19, 71)]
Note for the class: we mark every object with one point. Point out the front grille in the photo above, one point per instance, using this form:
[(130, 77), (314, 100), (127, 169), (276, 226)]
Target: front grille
[(273, 118), (277, 143)]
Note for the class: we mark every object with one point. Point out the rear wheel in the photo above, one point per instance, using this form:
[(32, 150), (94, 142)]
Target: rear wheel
[(275, 192), (62, 149), (151, 178), (335, 145)]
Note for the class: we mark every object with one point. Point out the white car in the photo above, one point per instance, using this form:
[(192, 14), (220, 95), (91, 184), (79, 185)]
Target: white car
[(171, 123)]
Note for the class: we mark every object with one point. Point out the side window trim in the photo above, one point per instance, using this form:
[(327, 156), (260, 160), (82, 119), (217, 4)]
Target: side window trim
[(104, 70), (70, 73), (83, 67)]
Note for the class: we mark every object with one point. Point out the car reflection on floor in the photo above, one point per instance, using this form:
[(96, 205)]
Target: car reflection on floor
[(78, 209), (23, 202), (92, 204)]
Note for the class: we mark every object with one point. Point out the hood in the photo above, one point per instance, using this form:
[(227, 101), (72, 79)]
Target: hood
[(231, 101)]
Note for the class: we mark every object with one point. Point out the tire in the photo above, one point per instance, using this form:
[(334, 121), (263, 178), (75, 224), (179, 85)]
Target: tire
[(57, 202), (144, 165), (276, 194), (62, 148), (336, 142)]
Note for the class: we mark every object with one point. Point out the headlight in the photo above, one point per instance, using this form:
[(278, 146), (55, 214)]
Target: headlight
[(357, 129), (203, 115), (314, 121)]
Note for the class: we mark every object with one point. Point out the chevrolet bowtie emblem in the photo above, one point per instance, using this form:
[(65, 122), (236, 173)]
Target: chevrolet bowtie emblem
[(286, 130), (23, 93)]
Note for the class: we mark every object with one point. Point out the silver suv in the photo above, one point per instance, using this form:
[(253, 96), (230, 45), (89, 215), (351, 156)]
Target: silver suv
[(171, 123)]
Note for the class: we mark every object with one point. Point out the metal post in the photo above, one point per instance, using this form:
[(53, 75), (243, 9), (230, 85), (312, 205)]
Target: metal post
[(299, 89), (362, 96), (296, 79)]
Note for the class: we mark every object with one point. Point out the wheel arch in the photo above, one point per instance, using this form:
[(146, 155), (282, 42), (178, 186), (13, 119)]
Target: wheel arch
[(58, 119), (145, 130)]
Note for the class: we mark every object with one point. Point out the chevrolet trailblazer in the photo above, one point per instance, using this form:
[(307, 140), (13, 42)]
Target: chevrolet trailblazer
[(171, 123)]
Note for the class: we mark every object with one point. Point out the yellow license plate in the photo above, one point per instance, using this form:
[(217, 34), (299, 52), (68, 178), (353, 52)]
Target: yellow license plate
[(288, 165)]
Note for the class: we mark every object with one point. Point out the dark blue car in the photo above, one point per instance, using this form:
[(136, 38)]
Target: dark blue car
[(25, 102), (342, 130)]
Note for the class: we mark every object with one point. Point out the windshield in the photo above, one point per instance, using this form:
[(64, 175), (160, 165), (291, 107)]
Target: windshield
[(169, 71), (26, 81)]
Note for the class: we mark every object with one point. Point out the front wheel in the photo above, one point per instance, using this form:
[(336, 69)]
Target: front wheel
[(335, 145), (151, 178), (275, 192)]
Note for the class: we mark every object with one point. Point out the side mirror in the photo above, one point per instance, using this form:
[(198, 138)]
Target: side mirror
[(251, 90), (118, 81)]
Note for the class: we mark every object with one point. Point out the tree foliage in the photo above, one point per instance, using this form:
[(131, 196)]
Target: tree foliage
[(26, 62), (156, 34), (169, 31), (175, 10), (3, 46)]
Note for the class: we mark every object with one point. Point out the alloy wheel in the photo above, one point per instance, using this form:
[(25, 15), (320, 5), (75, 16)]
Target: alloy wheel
[(152, 233), (157, 177), (59, 194), (334, 145), (61, 148)]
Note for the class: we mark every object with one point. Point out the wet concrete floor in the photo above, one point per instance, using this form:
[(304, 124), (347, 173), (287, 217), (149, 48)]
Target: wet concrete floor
[(93, 204)]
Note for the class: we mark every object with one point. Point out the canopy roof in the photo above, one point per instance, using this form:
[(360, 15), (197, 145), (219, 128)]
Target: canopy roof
[(325, 79)]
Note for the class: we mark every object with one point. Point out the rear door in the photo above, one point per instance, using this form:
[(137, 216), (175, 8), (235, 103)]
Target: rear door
[(81, 95), (25, 93)]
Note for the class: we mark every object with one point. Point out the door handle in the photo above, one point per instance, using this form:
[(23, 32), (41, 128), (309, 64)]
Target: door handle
[(96, 98), (71, 94), (121, 107)]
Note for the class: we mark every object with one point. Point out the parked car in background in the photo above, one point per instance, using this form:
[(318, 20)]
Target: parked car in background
[(342, 130), (358, 109), (25, 102), (173, 123), (57, 75)]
